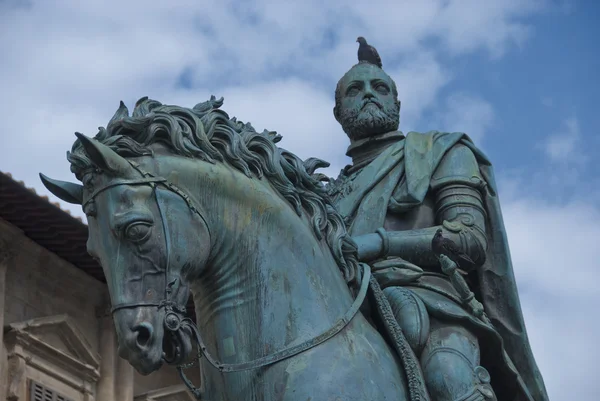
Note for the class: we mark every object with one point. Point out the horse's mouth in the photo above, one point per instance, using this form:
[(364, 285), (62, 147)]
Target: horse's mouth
[(150, 367), (177, 346), (146, 362)]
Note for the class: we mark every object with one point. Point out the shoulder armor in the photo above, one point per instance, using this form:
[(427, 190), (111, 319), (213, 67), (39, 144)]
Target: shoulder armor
[(457, 167)]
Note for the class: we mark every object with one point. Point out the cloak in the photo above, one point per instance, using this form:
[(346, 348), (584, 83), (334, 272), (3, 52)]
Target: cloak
[(398, 179)]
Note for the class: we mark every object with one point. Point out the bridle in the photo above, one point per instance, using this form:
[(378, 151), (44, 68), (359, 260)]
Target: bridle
[(175, 319)]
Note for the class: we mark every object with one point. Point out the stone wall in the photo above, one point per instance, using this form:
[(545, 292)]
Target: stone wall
[(36, 285), (39, 283)]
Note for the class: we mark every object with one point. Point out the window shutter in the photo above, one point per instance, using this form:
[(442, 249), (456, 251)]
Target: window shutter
[(39, 392)]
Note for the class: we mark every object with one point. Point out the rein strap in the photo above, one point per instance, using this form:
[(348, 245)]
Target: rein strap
[(297, 349)]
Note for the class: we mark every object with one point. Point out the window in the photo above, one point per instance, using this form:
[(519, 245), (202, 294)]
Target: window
[(52, 352), (39, 392)]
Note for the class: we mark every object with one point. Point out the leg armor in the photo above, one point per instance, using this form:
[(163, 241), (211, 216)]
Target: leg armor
[(450, 362), (411, 314)]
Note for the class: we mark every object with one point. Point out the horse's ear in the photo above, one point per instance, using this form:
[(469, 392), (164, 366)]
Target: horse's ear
[(67, 191), (104, 157)]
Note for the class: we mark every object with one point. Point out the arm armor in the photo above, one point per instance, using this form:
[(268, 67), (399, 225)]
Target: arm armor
[(457, 186)]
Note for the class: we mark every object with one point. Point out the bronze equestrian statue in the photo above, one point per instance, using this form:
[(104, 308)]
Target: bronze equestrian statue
[(304, 290), (181, 199)]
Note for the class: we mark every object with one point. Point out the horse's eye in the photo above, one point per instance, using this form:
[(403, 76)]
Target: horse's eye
[(138, 231)]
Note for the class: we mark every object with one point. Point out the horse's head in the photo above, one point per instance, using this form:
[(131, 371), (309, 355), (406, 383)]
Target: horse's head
[(226, 232), (146, 235)]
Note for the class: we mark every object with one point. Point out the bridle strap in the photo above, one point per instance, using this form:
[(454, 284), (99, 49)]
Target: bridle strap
[(158, 305), (148, 179), (129, 305)]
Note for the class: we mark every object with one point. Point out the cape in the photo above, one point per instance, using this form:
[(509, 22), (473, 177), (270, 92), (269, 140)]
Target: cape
[(399, 179)]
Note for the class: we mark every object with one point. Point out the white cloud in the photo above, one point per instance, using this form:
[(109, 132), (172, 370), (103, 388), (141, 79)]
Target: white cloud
[(66, 64), (460, 26), (419, 78), (563, 146), (464, 112), (567, 174), (537, 226), (557, 265), (471, 24)]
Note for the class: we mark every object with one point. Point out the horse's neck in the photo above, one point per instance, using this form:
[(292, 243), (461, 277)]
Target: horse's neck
[(270, 282)]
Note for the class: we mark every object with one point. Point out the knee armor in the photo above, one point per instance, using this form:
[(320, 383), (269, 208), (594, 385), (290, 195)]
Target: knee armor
[(450, 363), (411, 314)]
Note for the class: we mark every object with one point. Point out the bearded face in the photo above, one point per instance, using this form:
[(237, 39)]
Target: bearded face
[(370, 118), (366, 105)]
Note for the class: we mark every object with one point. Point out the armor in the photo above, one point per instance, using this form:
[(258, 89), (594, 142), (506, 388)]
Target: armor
[(463, 322), (448, 351), (458, 211)]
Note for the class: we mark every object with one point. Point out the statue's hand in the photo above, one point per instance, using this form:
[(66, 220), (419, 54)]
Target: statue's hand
[(476, 307), (395, 272)]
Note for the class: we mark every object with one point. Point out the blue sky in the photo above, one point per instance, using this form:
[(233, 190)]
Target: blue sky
[(519, 76), (552, 77), (543, 92)]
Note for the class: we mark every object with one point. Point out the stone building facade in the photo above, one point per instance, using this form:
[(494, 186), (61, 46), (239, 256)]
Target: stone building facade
[(58, 342)]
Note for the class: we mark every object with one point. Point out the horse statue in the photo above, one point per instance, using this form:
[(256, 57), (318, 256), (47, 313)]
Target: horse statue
[(182, 200)]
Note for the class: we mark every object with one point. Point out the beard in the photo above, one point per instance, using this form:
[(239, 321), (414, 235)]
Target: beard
[(374, 119)]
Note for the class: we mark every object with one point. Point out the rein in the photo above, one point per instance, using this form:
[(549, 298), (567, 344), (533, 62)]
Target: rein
[(174, 319), (297, 349)]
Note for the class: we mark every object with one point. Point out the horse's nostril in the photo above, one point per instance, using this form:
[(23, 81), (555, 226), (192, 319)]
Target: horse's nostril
[(143, 333)]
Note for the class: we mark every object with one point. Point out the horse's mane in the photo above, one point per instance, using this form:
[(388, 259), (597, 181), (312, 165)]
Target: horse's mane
[(206, 132)]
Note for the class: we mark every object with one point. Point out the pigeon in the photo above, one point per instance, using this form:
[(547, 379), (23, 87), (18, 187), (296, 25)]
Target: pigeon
[(368, 53), (445, 246)]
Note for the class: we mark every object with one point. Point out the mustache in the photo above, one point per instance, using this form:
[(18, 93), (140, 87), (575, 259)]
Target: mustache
[(372, 100)]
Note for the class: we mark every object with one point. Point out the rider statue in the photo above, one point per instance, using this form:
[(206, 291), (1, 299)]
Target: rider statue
[(397, 193)]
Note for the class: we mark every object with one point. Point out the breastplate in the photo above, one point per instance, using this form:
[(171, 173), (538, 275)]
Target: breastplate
[(422, 216)]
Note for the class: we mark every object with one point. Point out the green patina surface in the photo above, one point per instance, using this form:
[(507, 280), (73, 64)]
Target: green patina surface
[(407, 187), (182, 200)]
